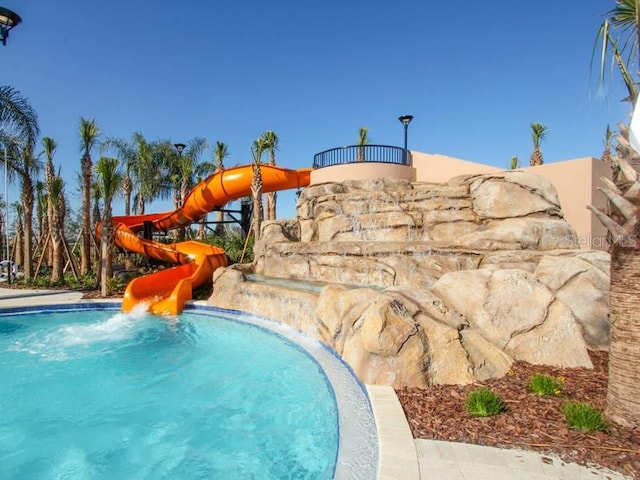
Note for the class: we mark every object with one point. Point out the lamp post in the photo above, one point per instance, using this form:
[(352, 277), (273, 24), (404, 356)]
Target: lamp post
[(405, 120), (8, 20), (6, 221)]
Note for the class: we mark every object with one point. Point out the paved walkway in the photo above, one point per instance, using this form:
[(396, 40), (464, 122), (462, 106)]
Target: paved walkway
[(18, 297), (400, 456)]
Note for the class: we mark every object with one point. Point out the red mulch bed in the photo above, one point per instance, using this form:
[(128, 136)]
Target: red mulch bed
[(529, 421)]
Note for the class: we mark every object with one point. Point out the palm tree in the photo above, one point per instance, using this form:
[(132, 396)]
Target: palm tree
[(18, 126), (271, 144), (19, 231), (184, 168), (538, 133), (27, 170), (128, 153), (110, 180), (17, 117), (89, 133), (623, 194), (623, 393), (49, 145), (148, 173), (220, 152), (189, 162), (363, 139), (41, 214), (606, 153), (622, 19), (203, 170), (56, 222), (515, 163), (257, 150)]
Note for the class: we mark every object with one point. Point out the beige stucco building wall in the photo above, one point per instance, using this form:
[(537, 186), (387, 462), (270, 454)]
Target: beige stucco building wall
[(433, 167), (577, 184), (575, 180)]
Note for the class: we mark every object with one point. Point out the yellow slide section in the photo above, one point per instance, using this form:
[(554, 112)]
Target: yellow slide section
[(167, 291)]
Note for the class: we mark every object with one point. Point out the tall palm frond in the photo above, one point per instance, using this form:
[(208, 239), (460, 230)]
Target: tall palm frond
[(17, 117), (624, 18)]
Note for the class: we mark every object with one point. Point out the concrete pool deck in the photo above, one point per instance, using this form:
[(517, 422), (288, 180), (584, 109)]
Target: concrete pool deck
[(401, 457)]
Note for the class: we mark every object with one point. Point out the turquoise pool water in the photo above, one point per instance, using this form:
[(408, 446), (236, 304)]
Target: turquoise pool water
[(100, 394)]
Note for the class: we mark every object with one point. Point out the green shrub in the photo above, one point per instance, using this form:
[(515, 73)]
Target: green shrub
[(540, 384), (484, 402), (584, 416)]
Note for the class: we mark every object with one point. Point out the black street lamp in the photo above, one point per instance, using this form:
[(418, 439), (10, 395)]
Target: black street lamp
[(179, 147), (405, 120), (8, 20)]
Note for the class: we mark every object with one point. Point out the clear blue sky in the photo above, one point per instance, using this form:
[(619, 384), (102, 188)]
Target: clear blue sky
[(474, 74)]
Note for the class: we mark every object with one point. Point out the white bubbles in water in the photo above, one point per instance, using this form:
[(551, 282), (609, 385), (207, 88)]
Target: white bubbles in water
[(58, 343)]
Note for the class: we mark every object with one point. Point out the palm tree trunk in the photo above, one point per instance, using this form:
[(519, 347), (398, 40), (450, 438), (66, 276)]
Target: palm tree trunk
[(85, 265), (27, 204), (106, 255), (19, 243), (623, 394), (271, 205), (219, 224), (57, 267), (256, 193), (126, 189)]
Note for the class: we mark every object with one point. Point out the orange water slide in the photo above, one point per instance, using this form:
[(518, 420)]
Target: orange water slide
[(167, 291)]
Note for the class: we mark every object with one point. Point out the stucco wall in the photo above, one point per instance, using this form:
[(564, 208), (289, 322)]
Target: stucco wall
[(577, 184), (440, 168)]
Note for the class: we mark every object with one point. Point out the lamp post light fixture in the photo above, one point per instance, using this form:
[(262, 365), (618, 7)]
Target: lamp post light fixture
[(405, 120), (8, 20)]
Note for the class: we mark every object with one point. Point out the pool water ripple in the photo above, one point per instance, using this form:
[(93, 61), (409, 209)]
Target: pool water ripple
[(101, 394)]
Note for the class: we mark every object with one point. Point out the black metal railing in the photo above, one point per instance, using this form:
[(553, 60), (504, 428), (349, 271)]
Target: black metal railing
[(362, 153)]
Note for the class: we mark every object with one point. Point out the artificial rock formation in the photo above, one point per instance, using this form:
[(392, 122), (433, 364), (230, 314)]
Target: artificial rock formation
[(417, 284)]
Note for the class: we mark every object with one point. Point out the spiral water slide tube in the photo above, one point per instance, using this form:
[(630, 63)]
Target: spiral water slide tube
[(165, 292)]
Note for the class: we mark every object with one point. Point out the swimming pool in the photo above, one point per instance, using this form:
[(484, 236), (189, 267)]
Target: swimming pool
[(95, 393)]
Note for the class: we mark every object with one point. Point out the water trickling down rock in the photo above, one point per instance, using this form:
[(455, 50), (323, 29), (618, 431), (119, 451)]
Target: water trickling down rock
[(417, 283)]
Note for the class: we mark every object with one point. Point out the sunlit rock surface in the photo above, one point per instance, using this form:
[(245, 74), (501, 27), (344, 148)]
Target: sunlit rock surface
[(418, 284)]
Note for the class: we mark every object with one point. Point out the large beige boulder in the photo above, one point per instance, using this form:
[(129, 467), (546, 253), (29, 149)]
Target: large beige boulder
[(584, 289), (517, 314), (418, 283)]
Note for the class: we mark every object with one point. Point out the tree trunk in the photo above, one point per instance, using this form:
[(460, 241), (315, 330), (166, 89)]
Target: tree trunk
[(58, 259), (106, 255), (85, 265), (18, 240), (27, 205), (271, 205), (623, 394), (256, 194), (220, 225), (126, 189)]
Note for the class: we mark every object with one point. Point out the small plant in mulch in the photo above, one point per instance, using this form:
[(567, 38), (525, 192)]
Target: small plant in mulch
[(484, 402), (583, 416), (540, 384)]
